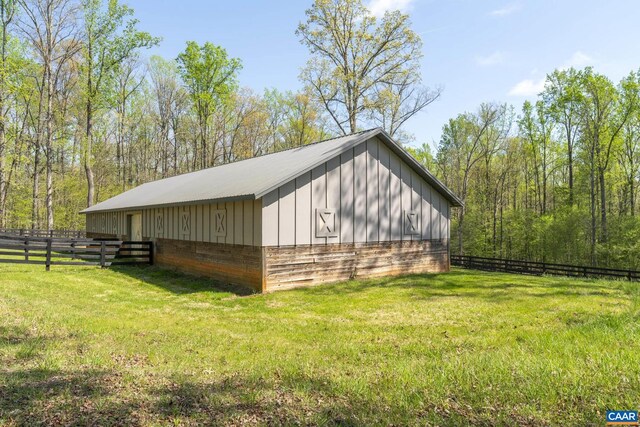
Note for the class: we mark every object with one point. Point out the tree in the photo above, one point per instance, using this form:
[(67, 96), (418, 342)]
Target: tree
[(210, 77), (110, 37), (605, 111), (7, 13), (50, 27), (360, 65), (562, 96), (537, 128), (630, 158), (397, 102), (461, 148), (170, 99)]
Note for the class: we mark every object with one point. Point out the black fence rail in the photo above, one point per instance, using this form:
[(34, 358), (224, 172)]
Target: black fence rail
[(540, 268), (32, 232), (80, 252)]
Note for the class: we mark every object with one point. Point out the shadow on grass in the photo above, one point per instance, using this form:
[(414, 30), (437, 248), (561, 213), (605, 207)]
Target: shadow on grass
[(463, 283), (457, 283), (106, 398), (179, 283)]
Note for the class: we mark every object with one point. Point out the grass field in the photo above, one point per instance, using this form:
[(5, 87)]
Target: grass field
[(143, 346)]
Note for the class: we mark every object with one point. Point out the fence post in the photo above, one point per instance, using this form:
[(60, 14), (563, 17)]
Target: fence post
[(48, 260), (151, 247), (26, 249), (103, 247), (73, 249)]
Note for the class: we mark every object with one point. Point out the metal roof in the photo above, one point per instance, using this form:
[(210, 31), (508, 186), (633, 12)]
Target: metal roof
[(253, 178)]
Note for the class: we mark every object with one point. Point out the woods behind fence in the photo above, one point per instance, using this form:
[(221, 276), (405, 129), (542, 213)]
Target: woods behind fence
[(540, 268), (81, 252)]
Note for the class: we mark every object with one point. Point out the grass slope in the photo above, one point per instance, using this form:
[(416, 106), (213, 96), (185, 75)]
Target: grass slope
[(145, 346)]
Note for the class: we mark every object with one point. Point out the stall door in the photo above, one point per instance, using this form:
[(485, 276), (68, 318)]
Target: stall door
[(135, 227)]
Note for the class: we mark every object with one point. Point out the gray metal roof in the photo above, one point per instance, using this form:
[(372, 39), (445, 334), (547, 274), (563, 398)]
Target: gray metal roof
[(253, 178)]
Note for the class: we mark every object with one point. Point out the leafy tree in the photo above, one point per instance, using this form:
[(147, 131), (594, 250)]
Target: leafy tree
[(7, 13), (361, 66), (210, 77), (110, 37), (562, 96)]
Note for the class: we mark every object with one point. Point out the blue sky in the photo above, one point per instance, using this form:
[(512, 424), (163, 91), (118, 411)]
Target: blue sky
[(476, 50)]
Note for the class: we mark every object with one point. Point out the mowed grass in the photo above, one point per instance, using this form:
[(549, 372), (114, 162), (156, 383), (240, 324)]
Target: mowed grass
[(142, 346)]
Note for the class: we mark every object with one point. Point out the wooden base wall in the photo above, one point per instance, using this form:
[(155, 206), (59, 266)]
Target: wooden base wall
[(288, 267), (235, 264), (92, 235), (273, 268)]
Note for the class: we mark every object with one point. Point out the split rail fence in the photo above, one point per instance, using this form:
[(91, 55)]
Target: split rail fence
[(47, 251), (31, 232), (540, 268)]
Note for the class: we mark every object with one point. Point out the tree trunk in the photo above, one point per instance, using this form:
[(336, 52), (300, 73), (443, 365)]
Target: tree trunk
[(592, 191), (35, 204), (570, 160), (49, 150), (3, 183), (87, 156), (632, 196), (460, 233), (603, 205)]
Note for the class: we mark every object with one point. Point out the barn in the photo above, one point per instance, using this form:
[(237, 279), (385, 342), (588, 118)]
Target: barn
[(353, 206)]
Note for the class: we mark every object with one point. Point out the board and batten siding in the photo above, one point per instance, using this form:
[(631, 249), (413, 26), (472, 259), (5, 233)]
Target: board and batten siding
[(369, 188), (243, 223)]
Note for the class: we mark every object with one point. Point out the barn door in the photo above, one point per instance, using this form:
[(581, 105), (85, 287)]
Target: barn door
[(135, 227)]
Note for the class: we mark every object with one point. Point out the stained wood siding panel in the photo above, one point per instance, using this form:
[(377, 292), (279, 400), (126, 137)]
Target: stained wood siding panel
[(240, 265), (287, 267)]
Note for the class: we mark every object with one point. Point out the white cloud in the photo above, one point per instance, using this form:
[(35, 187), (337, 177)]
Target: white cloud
[(578, 60), (507, 10), (528, 87), (533, 86), (379, 7), (494, 59)]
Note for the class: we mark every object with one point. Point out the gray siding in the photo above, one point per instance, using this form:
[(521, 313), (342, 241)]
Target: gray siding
[(243, 223), (369, 188)]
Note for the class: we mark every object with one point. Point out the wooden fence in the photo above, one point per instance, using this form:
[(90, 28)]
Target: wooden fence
[(540, 268), (31, 232), (56, 251)]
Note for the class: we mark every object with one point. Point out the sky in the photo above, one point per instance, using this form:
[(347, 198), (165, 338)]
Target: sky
[(476, 50)]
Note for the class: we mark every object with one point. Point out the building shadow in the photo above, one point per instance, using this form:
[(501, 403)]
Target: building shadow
[(180, 283)]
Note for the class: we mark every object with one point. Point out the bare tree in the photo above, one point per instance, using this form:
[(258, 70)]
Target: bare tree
[(7, 13), (50, 28)]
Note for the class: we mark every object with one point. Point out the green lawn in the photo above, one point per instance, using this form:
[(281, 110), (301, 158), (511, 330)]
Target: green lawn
[(81, 345)]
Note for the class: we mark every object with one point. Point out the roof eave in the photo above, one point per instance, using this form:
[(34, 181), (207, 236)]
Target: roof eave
[(167, 205)]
